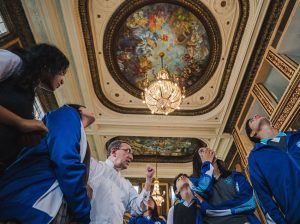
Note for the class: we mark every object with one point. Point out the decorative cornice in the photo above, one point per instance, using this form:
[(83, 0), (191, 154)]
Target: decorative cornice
[(83, 6), (267, 28), (263, 98), (287, 104), (240, 147), (287, 70)]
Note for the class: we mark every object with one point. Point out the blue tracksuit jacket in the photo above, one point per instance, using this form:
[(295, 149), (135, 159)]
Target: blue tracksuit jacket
[(244, 201), (55, 160), (275, 174)]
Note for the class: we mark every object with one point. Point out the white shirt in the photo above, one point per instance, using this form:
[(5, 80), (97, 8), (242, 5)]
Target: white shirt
[(171, 212), (9, 63), (113, 195)]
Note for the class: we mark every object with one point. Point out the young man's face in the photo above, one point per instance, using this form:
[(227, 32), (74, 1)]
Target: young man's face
[(182, 184), (260, 126), (123, 156)]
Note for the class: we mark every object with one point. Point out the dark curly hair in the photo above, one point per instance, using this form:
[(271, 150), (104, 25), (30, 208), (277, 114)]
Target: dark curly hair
[(37, 60)]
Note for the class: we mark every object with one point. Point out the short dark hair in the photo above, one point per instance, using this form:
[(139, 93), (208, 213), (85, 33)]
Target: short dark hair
[(115, 144), (174, 183), (249, 131), (197, 165)]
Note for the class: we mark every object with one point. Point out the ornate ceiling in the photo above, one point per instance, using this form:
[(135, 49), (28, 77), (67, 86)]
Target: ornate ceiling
[(114, 45), (163, 150)]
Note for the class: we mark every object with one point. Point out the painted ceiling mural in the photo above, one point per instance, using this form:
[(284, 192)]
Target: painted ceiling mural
[(185, 31), (162, 27), (168, 149)]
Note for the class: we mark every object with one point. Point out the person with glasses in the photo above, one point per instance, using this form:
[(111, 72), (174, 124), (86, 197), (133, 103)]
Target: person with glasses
[(113, 195), (274, 167)]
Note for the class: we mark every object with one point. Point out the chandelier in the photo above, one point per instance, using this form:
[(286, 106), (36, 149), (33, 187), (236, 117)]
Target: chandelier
[(156, 195), (163, 95)]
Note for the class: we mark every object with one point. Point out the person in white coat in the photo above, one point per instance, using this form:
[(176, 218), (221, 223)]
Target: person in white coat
[(113, 195)]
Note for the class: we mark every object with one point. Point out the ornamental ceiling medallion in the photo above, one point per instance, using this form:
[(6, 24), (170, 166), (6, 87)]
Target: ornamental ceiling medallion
[(169, 149), (136, 34)]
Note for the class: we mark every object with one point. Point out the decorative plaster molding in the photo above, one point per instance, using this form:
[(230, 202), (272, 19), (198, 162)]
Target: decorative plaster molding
[(263, 98), (286, 69), (90, 47)]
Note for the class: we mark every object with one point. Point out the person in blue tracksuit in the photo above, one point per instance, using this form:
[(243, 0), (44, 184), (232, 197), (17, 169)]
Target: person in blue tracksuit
[(150, 216), (224, 196), (274, 167), (186, 211), (35, 186)]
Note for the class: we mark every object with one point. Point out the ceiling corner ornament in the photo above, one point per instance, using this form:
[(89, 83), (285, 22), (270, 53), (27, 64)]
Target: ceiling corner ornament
[(164, 94), (206, 62)]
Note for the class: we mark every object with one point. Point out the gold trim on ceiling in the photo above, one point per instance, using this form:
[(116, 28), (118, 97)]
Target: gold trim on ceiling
[(83, 6), (263, 39), (195, 7)]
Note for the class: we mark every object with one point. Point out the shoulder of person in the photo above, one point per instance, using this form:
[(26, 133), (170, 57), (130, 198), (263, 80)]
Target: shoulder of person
[(9, 63)]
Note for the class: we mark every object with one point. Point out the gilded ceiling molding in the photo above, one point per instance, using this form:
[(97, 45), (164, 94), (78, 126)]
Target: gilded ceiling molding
[(125, 10), (83, 6), (13, 13), (260, 47), (287, 104), (263, 98), (240, 148), (287, 70)]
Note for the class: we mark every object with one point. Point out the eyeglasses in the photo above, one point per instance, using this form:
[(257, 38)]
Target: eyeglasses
[(127, 150)]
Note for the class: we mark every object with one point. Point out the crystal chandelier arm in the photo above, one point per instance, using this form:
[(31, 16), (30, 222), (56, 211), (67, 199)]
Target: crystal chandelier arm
[(152, 97), (171, 94)]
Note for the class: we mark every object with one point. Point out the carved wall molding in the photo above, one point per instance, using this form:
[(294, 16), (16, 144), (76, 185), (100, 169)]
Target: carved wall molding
[(263, 98), (263, 39), (290, 100), (240, 148), (286, 69), (83, 6)]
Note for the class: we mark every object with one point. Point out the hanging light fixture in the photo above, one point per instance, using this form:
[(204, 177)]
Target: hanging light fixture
[(156, 195), (164, 95)]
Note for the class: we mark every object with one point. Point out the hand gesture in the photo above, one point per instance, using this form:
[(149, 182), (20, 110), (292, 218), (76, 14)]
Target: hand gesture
[(30, 125), (206, 154), (149, 172), (199, 197), (89, 191)]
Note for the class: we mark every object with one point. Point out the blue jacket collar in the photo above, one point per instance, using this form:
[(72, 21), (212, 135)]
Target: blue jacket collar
[(265, 140), (288, 134)]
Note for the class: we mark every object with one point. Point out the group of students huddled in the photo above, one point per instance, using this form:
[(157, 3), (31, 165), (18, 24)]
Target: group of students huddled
[(47, 174)]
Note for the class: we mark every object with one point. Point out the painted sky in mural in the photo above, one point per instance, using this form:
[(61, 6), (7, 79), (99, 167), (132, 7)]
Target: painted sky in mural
[(147, 146), (162, 27)]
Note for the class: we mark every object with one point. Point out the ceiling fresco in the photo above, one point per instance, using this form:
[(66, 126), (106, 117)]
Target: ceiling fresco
[(185, 31), (168, 149), (162, 27)]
